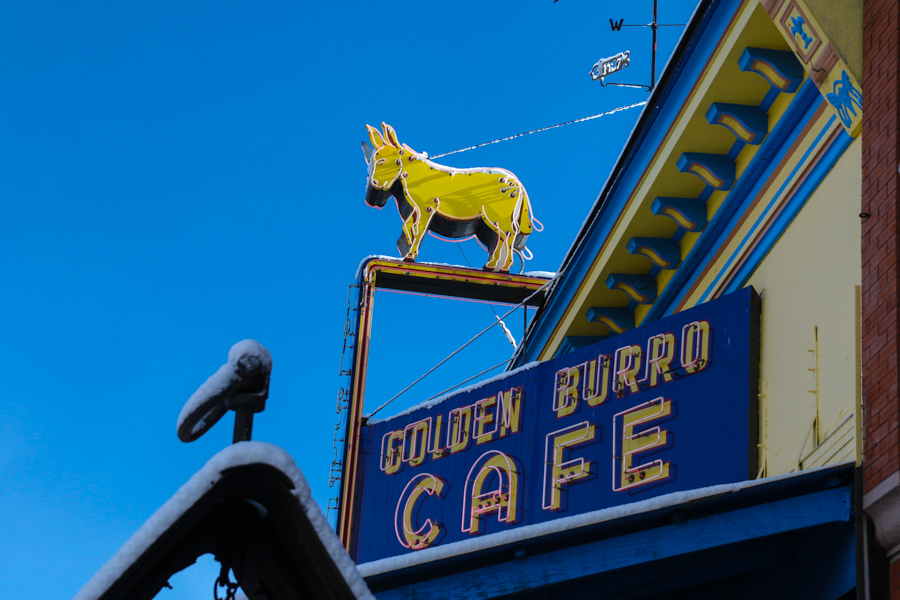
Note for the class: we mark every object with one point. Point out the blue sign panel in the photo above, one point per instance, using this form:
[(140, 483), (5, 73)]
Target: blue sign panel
[(667, 407)]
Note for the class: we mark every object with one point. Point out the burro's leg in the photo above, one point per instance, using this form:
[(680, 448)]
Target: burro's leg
[(508, 240), (506, 228), (497, 255), (512, 226), (407, 236), (415, 227), (423, 221), (508, 250)]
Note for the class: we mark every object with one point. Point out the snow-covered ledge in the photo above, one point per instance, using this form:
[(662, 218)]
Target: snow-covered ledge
[(882, 504), (521, 534), (241, 454)]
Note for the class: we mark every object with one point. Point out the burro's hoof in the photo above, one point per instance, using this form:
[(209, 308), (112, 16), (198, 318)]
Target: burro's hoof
[(487, 269), (408, 259)]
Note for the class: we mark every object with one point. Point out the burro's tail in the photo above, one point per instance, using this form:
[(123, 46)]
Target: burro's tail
[(524, 214), (527, 225)]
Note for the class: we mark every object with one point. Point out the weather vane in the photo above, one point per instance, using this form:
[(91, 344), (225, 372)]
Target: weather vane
[(607, 66)]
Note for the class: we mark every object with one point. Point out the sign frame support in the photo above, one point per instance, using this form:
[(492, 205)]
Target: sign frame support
[(417, 278)]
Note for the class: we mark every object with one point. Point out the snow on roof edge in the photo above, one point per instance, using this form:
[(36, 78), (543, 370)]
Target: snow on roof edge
[(363, 262), (366, 259), (243, 453), (527, 532)]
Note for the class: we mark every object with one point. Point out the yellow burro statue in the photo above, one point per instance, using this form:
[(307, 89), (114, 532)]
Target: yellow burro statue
[(489, 204)]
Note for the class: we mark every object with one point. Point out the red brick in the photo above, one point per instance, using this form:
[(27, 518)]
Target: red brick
[(880, 286), (895, 580)]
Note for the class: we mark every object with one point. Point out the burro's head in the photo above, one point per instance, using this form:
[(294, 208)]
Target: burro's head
[(385, 161)]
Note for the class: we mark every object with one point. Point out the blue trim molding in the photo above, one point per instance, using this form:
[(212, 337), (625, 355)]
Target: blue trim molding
[(619, 320), (577, 342), (666, 104), (665, 253), (716, 170), (640, 288), (779, 67), (748, 123), (771, 151), (688, 213), (788, 213), (820, 523)]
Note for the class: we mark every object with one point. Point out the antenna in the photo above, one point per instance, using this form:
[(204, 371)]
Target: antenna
[(607, 66)]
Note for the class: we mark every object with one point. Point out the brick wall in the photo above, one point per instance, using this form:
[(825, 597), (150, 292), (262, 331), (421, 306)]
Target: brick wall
[(880, 240), (895, 580)]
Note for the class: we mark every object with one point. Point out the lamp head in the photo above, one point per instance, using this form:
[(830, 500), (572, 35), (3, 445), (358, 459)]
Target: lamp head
[(241, 384)]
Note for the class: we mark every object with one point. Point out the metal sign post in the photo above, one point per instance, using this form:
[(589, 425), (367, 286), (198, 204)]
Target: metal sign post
[(613, 64)]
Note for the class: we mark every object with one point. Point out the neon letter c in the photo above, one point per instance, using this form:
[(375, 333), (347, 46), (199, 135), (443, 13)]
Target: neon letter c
[(407, 535)]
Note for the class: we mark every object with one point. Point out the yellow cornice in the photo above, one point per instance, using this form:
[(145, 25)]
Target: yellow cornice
[(721, 80)]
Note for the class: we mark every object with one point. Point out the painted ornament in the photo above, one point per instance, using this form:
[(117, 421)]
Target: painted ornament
[(488, 204)]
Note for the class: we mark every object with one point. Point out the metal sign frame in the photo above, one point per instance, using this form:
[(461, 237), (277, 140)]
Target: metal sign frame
[(417, 278)]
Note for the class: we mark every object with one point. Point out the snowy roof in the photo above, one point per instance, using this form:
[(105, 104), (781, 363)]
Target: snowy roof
[(237, 455)]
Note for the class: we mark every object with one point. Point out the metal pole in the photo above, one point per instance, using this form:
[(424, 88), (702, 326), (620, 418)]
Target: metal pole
[(524, 334), (653, 26), (243, 424)]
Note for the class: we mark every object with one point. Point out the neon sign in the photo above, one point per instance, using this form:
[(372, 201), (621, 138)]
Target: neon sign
[(663, 408), (490, 205)]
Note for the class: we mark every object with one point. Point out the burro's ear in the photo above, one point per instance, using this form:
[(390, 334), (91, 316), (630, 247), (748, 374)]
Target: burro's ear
[(368, 151), (375, 137), (390, 135)]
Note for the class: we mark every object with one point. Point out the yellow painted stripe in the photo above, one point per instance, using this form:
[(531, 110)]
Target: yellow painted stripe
[(771, 74), (658, 260), (738, 129), (612, 325), (706, 175), (679, 218), (631, 291)]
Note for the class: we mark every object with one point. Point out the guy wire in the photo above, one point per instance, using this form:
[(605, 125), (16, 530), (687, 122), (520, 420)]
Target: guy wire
[(458, 350), (512, 137)]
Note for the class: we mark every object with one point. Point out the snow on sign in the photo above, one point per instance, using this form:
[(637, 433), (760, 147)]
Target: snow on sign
[(663, 408)]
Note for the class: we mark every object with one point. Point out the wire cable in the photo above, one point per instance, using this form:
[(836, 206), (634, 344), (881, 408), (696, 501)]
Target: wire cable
[(518, 135), (453, 387), (458, 350), (506, 331)]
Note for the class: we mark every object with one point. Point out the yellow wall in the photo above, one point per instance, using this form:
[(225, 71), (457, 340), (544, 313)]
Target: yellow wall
[(842, 22), (809, 285)]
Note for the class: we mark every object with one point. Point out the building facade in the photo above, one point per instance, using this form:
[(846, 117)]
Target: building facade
[(753, 166), (705, 404)]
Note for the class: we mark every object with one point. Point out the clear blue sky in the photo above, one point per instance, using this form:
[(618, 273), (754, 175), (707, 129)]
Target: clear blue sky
[(178, 176)]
